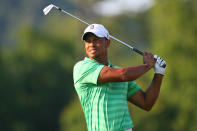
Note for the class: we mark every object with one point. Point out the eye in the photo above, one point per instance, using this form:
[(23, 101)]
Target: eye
[(97, 40), (88, 40)]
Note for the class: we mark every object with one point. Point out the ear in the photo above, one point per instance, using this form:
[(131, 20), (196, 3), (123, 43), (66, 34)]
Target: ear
[(108, 43)]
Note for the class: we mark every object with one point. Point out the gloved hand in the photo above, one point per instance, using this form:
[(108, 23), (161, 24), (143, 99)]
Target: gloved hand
[(158, 67)]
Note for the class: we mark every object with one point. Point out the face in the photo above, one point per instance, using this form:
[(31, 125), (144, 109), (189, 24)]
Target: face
[(96, 47)]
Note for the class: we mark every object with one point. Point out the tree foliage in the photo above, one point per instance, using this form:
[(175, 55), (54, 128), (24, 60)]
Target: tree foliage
[(173, 27), (36, 81)]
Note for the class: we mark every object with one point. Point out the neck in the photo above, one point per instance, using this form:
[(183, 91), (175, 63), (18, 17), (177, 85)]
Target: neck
[(103, 60)]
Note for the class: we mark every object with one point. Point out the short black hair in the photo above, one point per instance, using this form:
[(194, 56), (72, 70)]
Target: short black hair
[(87, 34)]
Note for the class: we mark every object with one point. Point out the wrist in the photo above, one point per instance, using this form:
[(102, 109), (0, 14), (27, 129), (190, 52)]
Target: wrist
[(147, 66), (159, 73)]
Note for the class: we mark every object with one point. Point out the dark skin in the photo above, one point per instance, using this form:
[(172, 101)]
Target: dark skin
[(96, 49)]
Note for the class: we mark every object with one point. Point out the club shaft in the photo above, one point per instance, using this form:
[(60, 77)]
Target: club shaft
[(74, 16), (114, 38), (131, 47)]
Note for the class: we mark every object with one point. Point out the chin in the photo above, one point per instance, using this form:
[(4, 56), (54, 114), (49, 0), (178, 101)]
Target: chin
[(94, 56)]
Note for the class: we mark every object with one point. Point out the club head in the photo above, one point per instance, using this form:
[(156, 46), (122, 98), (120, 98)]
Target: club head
[(47, 9)]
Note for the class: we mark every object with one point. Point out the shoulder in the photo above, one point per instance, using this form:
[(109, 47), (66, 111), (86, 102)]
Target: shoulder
[(87, 71), (79, 67), (84, 64), (78, 64)]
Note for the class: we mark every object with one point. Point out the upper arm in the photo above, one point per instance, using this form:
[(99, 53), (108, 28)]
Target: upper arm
[(109, 74)]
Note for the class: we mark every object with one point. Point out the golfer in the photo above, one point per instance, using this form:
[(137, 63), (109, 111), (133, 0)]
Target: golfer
[(104, 89)]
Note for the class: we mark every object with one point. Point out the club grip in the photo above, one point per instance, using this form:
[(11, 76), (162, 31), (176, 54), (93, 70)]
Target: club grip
[(141, 53), (138, 51)]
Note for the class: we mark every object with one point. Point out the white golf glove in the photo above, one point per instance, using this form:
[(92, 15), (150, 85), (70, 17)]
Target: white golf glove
[(159, 65)]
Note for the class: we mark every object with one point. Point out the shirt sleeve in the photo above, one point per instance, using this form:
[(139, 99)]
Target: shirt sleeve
[(87, 73), (132, 88)]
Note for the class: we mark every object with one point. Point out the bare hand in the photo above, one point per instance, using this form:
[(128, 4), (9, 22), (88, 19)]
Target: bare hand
[(148, 59)]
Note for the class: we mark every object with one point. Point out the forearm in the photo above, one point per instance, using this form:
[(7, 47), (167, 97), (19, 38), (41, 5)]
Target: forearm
[(153, 90), (134, 72), (146, 100)]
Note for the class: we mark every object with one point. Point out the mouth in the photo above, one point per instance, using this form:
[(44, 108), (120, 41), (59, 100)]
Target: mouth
[(92, 51)]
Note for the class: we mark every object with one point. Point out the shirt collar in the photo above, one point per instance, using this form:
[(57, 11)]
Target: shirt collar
[(90, 60)]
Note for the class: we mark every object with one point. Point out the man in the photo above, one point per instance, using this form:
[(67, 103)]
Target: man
[(104, 89)]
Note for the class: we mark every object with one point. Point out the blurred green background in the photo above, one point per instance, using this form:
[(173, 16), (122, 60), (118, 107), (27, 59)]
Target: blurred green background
[(37, 55)]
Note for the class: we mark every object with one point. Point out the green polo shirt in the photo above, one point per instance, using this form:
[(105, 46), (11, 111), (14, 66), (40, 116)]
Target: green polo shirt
[(105, 105)]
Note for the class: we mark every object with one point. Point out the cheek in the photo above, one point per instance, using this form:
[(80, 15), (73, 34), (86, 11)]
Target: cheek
[(100, 45), (86, 48)]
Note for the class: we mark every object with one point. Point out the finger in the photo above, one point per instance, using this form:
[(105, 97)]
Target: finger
[(152, 56), (160, 64), (149, 55), (145, 53), (163, 63)]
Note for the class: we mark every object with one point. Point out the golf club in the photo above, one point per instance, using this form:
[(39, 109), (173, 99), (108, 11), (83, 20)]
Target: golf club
[(47, 9)]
